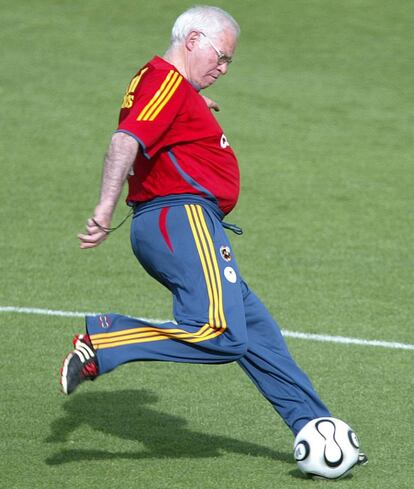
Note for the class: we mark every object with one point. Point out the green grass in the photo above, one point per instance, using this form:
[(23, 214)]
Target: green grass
[(319, 108)]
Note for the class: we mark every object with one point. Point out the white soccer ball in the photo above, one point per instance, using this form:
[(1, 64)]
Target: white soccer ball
[(326, 448)]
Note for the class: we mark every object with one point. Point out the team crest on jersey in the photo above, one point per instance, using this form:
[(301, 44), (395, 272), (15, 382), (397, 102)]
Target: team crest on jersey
[(225, 253)]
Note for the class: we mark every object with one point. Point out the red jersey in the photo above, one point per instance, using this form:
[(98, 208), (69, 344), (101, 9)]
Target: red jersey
[(182, 147)]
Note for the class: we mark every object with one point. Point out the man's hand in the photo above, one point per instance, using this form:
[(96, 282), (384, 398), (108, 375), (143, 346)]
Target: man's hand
[(95, 234), (211, 104)]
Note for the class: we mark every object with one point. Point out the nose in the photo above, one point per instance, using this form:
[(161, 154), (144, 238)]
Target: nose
[(223, 68)]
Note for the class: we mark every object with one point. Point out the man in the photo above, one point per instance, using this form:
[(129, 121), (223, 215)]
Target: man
[(183, 179)]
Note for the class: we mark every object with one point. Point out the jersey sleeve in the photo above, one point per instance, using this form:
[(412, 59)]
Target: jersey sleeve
[(151, 103)]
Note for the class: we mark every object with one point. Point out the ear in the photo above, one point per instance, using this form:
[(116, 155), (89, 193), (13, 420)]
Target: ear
[(191, 40)]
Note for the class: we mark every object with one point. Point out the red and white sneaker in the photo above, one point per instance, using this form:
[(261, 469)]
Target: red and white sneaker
[(79, 365)]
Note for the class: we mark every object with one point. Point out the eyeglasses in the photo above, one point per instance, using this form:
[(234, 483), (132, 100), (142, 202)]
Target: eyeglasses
[(221, 57)]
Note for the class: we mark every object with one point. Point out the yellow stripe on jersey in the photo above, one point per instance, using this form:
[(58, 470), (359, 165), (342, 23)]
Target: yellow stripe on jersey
[(217, 321), (161, 97), (134, 82), (167, 96), (155, 97), (129, 95)]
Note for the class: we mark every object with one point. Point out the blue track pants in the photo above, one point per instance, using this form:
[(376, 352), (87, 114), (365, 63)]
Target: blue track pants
[(218, 319)]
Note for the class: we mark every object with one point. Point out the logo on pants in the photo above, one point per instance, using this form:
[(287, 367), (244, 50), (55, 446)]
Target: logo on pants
[(225, 253), (230, 275)]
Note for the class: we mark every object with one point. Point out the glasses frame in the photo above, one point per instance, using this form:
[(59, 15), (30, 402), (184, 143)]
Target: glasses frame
[(221, 57)]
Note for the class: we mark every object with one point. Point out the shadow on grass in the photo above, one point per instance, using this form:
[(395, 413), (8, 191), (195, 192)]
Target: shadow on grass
[(127, 414), (297, 474)]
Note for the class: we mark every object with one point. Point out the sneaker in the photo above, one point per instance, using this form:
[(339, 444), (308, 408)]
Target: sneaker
[(79, 365), (362, 459)]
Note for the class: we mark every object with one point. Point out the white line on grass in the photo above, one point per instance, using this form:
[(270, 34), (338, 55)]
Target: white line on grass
[(291, 334), (66, 314), (347, 340)]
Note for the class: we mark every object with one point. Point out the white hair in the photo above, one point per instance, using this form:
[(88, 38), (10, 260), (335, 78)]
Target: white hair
[(204, 18)]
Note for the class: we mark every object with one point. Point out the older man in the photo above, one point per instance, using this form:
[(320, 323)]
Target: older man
[(183, 179)]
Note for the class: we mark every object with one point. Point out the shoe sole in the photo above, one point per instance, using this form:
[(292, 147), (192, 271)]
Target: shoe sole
[(64, 373)]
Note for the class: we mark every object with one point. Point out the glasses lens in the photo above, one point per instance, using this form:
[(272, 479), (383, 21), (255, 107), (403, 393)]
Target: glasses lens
[(221, 57)]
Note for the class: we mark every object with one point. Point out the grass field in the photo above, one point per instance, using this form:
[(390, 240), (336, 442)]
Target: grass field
[(318, 106)]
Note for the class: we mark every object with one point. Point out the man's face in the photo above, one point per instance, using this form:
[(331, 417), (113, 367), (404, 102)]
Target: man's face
[(208, 58)]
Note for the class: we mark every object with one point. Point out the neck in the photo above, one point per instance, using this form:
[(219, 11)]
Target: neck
[(176, 56)]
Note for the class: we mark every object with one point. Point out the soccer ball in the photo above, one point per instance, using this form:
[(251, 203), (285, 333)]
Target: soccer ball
[(326, 448)]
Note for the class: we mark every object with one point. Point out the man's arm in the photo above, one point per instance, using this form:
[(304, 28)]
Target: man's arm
[(119, 159)]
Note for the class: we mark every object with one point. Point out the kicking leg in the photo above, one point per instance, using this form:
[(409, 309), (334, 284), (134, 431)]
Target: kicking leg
[(271, 367)]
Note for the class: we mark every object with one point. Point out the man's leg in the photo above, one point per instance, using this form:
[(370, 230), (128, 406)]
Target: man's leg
[(271, 367), (182, 247)]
